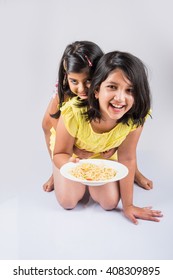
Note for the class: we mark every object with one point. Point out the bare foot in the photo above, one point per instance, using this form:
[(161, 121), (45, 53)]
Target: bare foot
[(142, 181), (49, 185)]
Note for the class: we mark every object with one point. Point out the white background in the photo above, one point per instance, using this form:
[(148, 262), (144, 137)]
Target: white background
[(33, 36)]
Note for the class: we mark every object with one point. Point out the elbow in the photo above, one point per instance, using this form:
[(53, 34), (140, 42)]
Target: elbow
[(127, 159), (43, 125), (46, 124), (56, 160)]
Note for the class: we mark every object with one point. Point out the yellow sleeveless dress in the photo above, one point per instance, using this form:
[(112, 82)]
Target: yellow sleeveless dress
[(86, 138)]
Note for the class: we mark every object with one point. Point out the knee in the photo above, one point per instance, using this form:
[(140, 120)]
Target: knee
[(109, 204), (66, 203)]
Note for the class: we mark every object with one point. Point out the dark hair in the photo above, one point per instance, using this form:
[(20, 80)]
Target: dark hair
[(136, 73), (78, 57)]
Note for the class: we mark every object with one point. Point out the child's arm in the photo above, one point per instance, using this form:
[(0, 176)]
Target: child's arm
[(63, 145), (127, 156), (81, 153), (48, 122), (107, 154), (85, 154)]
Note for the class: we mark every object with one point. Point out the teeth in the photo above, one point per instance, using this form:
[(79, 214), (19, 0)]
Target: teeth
[(117, 106)]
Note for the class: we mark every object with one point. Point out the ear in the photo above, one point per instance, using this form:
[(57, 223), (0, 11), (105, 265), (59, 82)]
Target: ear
[(96, 93)]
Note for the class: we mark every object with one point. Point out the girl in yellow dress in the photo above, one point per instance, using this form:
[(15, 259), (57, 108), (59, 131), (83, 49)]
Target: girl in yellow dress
[(117, 107), (75, 72)]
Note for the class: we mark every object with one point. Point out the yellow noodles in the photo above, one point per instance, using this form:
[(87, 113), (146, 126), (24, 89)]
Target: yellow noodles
[(93, 172)]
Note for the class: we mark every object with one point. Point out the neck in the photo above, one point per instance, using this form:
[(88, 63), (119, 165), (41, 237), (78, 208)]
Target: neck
[(103, 125)]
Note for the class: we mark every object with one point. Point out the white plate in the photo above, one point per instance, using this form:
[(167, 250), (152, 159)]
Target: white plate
[(121, 171)]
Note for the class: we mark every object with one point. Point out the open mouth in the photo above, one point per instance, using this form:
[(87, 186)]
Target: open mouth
[(118, 107)]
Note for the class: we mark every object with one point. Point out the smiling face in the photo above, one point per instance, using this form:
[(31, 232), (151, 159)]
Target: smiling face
[(79, 83), (115, 96)]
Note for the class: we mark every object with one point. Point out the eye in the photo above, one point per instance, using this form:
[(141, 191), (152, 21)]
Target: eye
[(130, 90), (74, 82), (112, 87), (88, 82)]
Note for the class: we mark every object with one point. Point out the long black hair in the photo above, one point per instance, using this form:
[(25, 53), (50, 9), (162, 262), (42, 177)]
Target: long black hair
[(77, 57), (135, 71)]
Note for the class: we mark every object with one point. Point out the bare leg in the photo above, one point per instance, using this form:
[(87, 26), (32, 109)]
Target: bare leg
[(49, 185), (142, 181), (68, 193), (107, 195)]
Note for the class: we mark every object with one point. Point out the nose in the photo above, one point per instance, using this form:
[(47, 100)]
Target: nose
[(81, 87), (119, 95)]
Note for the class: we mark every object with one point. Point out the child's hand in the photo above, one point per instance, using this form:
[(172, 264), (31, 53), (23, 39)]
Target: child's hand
[(133, 213), (73, 159), (82, 154), (109, 153)]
